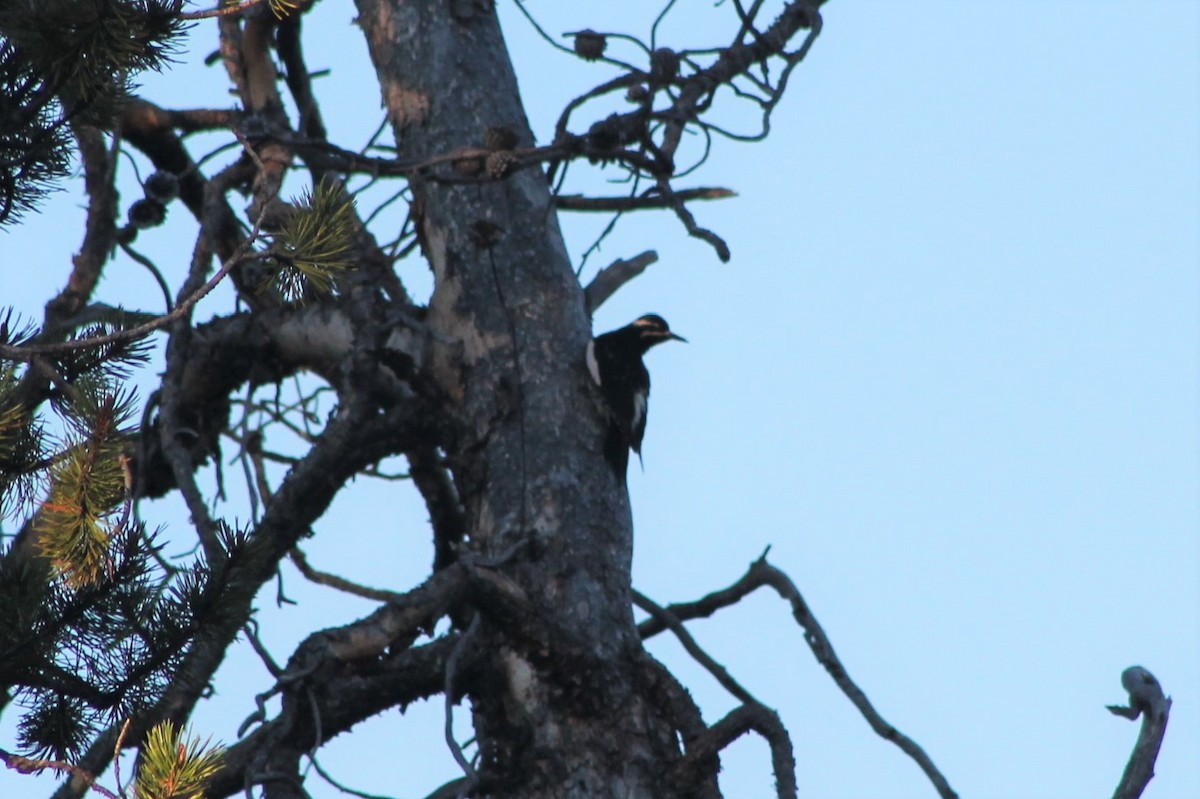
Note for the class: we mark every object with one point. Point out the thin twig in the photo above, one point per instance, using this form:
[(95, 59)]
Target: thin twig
[(117, 754), (451, 672), (719, 672), (29, 765), (578, 202), (221, 11), (689, 222), (340, 583), (128, 334)]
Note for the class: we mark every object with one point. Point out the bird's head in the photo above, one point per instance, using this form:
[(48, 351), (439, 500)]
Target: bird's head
[(652, 329)]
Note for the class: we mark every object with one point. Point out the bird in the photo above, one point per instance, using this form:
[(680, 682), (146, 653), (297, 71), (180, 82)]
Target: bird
[(614, 360)]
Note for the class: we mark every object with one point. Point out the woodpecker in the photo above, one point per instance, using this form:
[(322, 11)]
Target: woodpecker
[(615, 362)]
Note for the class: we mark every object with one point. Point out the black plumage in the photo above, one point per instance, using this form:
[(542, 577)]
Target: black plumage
[(615, 362)]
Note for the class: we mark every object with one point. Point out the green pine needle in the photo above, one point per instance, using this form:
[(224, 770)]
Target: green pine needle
[(315, 245), (87, 485), (174, 766)]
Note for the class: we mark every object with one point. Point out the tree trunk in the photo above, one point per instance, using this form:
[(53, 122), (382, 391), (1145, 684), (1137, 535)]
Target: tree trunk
[(552, 668)]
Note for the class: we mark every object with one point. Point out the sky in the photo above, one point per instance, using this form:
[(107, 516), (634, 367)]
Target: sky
[(950, 377)]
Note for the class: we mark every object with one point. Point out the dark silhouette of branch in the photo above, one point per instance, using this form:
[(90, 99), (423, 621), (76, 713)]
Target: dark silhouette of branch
[(300, 560), (354, 438), (719, 672), (735, 60), (685, 716), (1146, 699), (689, 222), (365, 688), (462, 649), (762, 573), (446, 514), (744, 719)]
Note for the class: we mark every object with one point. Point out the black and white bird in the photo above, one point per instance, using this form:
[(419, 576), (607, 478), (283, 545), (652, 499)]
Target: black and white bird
[(615, 362)]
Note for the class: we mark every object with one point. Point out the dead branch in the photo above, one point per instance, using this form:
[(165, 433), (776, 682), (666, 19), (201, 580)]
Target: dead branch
[(689, 221), (668, 693), (719, 672), (612, 277), (446, 514), (300, 560), (1146, 699), (364, 688), (762, 573), (28, 765), (27, 353), (578, 202), (744, 719), (735, 60)]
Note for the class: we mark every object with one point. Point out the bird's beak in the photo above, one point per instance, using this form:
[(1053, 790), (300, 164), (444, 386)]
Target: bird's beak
[(677, 337)]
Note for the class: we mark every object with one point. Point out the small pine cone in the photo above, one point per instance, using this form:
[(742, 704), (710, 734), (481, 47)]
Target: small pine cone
[(637, 93), (500, 164), (499, 138), (664, 64), (162, 186), (590, 45), (146, 213)]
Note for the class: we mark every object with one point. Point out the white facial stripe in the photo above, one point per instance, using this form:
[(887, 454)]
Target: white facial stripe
[(593, 367)]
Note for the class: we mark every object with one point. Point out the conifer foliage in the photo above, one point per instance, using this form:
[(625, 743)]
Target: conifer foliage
[(65, 62)]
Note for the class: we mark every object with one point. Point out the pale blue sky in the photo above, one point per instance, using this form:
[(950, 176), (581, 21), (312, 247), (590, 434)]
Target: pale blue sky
[(950, 375)]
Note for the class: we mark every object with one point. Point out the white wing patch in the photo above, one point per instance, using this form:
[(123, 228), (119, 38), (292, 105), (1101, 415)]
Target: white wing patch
[(593, 367), (639, 410)]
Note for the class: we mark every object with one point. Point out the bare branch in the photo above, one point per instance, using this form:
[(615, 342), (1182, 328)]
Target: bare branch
[(339, 583), (1146, 698), (735, 60), (345, 695), (462, 649), (762, 573), (609, 279), (138, 331), (28, 765), (221, 11), (578, 202), (749, 718), (719, 672), (668, 693), (689, 222)]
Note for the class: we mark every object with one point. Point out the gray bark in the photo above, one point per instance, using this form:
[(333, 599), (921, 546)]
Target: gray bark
[(556, 714)]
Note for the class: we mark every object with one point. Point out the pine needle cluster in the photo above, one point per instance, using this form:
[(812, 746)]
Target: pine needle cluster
[(67, 61), (88, 485), (95, 637), (95, 655), (315, 245), (174, 765), (81, 473)]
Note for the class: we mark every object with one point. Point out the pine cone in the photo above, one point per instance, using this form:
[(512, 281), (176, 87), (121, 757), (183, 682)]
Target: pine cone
[(590, 45), (500, 164)]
